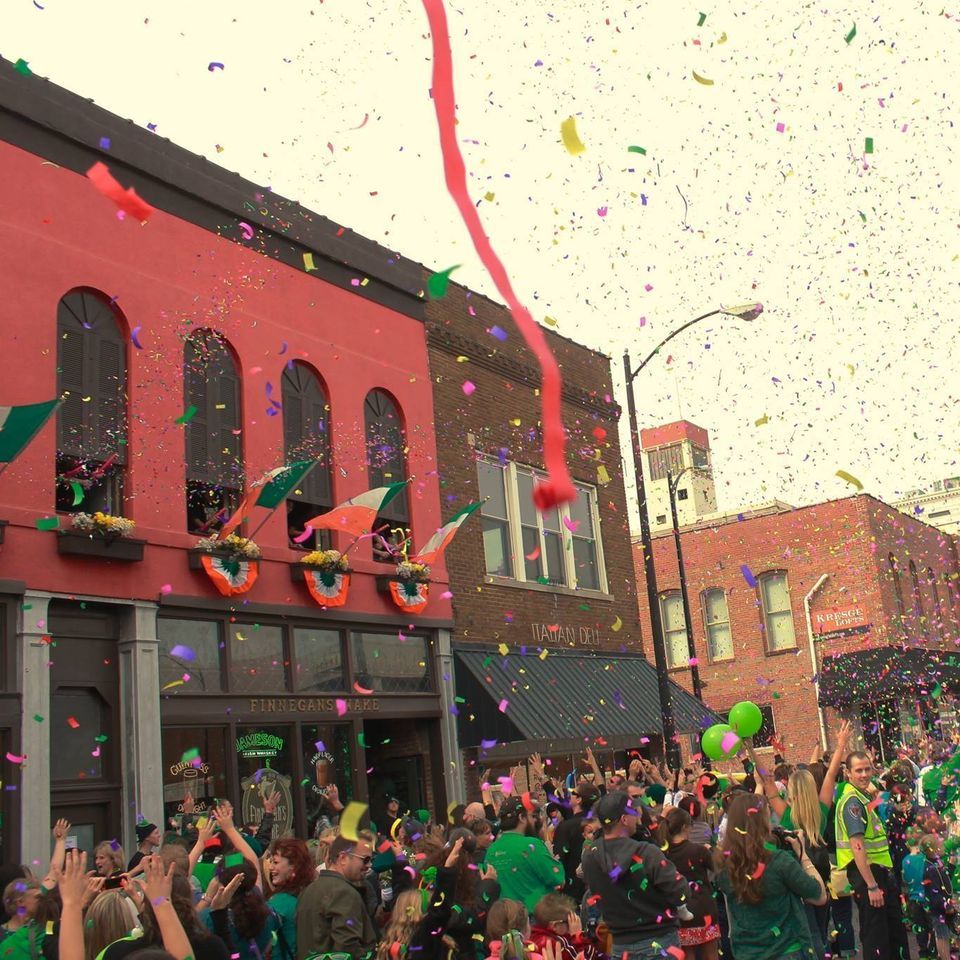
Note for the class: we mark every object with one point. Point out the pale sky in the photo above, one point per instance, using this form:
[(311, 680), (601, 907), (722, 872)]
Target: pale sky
[(856, 255)]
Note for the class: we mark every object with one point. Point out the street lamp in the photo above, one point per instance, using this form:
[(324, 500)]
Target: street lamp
[(749, 311), (672, 483)]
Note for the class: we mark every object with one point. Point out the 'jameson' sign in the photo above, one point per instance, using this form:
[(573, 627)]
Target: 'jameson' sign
[(544, 633)]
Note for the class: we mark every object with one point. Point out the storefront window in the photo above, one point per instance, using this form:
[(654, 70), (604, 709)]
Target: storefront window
[(189, 656), (256, 659), (265, 763), (327, 762), (390, 663), (318, 657), (194, 762), (78, 716)]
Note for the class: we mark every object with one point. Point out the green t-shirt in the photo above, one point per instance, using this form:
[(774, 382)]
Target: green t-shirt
[(786, 820), (525, 868), (777, 926), (285, 907)]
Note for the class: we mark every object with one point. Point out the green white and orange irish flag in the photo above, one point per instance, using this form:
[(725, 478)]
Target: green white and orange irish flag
[(438, 542), (357, 515), (19, 425)]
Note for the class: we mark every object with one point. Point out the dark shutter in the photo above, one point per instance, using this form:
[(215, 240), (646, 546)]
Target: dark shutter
[(195, 395), (91, 364), (386, 460), (214, 442), (306, 431)]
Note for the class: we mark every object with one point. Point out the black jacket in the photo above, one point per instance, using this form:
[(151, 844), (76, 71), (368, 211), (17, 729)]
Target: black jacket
[(568, 848), (636, 885)]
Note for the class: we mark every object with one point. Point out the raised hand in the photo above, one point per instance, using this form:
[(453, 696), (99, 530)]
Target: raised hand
[(270, 801), (223, 895), (157, 883), (73, 882), (454, 854), (189, 804), (223, 815), (60, 829)]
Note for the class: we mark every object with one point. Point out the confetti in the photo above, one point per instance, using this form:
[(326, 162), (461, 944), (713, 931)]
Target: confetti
[(246, 230), (48, 523), (21, 66), (469, 387), (438, 282), (498, 332), (853, 32), (503, 706), (849, 478), (183, 652), (363, 691), (616, 625), (341, 706), (126, 200), (135, 337), (77, 489), (704, 80), (188, 415), (568, 133), (308, 263), (763, 421), (350, 819), (73, 723), (702, 20), (637, 150), (213, 65), (748, 576), (13, 758), (868, 145)]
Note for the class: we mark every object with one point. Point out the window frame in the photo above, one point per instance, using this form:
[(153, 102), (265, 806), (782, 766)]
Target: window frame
[(939, 624), (399, 512), (511, 470), (92, 316), (213, 422), (765, 614), (665, 597), (893, 566), (707, 624), (301, 379), (919, 618)]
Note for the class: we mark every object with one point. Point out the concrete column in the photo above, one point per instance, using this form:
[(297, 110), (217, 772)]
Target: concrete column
[(33, 666), (140, 739), (452, 760)]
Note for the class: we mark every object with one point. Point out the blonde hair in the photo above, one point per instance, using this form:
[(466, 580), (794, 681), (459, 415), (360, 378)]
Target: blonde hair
[(804, 805), (114, 854), (508, 922), (107, 919), (326, 838), (404, 920)]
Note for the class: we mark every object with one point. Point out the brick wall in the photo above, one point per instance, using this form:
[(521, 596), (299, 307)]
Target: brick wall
[(502, 418), (848, 540)]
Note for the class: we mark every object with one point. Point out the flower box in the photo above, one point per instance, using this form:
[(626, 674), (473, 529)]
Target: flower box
[(78, 544)]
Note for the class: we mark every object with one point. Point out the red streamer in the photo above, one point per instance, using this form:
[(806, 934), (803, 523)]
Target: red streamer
[(558, 487)]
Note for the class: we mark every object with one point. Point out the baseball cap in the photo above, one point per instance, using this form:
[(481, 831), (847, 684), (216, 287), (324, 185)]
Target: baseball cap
[(612, 806)]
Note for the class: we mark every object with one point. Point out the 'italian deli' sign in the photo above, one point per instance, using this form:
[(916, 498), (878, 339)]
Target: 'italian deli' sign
[(840, 622)]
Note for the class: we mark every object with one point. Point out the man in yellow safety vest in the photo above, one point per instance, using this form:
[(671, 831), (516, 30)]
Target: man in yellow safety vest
[(862, 851)]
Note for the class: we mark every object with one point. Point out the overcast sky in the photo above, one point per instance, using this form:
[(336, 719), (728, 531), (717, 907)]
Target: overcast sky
[(755, 186)]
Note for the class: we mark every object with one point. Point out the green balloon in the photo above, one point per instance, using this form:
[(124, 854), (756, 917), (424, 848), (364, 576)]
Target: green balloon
[(746, 718), (719, 742)]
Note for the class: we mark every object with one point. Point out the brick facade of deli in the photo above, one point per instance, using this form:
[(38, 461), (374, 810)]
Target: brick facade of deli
[(849, 540)]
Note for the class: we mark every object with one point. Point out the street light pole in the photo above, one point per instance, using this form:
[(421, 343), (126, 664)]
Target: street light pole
[(672, 484), (748, 311), (670, 745)]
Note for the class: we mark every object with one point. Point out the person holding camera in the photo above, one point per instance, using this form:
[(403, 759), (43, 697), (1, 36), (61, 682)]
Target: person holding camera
[(524, 865), (766, 878), (864, 852)]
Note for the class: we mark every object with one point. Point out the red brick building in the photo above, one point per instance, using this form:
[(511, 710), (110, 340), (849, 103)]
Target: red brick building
[(288, 337), (850, 593), (547, 652)]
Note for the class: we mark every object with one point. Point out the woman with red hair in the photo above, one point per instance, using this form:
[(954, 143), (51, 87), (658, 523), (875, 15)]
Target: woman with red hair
[(291, 872)]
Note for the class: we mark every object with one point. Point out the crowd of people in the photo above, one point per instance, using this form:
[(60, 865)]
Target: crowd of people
[(765, 863)]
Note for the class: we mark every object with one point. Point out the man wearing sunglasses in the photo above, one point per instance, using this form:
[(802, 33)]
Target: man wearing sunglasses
[(331, 914)]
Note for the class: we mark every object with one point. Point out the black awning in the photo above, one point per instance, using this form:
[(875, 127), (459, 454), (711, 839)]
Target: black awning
[(885, 672), (567, 694)]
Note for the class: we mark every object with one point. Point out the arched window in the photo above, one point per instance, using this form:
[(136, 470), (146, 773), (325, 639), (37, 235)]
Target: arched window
[(777, 611), (716, 620), (386, 464), (213, 434), (950, 585), (306, 436), (674, 629), (939, 624), (92, 420), (897, 591), (918, 617)]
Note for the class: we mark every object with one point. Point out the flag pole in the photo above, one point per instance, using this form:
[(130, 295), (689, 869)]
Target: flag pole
[(272, 510)]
